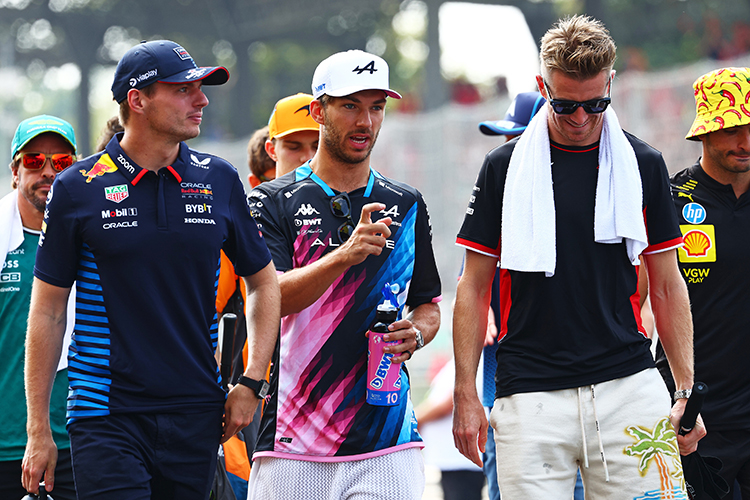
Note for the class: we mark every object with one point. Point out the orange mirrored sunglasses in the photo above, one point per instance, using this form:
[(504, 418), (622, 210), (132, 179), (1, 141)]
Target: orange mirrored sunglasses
[(36, 161)]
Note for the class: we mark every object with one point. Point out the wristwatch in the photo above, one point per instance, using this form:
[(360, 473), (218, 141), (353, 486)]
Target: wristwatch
[(260, 387), (683, 394), (420, 339)]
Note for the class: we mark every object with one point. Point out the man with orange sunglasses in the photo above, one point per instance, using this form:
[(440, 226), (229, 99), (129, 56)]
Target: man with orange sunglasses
[(42, 147)]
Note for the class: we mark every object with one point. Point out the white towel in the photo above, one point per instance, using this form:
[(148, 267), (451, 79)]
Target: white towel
[(11, 237), (528, 218)]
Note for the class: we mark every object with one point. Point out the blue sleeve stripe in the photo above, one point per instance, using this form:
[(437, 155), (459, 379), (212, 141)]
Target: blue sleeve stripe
[(88, 296), (82, 404), (88, 275), (78, 384), (88, 263), (94, 319), (92, 350), (93, 395), (87, 328), (74, 375), (74, 414), (91, 340), (91, 360), (78, 367), (89, 286), (90, 307)]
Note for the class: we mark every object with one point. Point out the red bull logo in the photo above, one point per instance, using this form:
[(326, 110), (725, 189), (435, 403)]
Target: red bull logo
[(101, 167)]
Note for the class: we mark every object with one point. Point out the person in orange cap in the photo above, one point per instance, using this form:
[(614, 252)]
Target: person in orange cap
[(292, 133), (713, 206)]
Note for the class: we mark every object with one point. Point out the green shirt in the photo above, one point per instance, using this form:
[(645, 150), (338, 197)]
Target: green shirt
[(15, 296)]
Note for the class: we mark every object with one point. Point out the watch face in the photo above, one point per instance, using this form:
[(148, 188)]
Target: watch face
[(263, 391)]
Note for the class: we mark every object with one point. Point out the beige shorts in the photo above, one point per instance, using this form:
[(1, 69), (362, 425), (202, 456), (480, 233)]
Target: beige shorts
[(542, 438)]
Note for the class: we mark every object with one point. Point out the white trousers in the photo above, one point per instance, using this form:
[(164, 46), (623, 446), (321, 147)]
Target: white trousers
[(618, 433)]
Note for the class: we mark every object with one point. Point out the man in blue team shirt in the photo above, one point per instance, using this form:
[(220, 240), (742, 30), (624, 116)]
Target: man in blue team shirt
[(319, 438), (140, 227)]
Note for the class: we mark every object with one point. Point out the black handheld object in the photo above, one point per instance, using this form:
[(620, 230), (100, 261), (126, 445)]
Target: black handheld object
[(42, 494), (693, 407), (227, 325)]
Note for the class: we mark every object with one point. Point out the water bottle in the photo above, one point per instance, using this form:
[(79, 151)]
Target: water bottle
[(383, 377), (42, 494)]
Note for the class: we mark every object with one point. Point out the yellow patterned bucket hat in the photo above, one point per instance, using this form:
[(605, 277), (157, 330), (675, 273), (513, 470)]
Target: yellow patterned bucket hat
[(721, 101)]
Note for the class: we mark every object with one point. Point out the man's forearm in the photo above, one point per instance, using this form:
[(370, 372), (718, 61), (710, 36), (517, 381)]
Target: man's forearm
[(301, 287), (670, 304), (44, 339), (426, 318), (262, 313)]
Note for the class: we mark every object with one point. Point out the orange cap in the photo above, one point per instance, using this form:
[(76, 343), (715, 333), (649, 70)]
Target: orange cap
[(291, 114), (721, 101)]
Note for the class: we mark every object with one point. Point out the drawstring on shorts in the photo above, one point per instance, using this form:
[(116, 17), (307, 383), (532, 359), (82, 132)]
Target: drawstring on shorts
[(598, 433)]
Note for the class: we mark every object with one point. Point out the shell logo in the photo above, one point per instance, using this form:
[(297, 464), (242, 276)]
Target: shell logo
[(697, 243)]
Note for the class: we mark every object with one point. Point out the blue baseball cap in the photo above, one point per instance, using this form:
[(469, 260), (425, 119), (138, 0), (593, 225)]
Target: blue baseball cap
[(517, 118), (161, 61)]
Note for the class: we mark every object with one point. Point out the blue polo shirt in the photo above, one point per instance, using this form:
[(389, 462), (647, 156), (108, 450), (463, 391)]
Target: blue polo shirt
[(143, 248)]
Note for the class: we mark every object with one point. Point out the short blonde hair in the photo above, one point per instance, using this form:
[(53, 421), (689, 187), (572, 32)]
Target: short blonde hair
[(579, 46)]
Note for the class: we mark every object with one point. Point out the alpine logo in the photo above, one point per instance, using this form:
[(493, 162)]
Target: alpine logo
[(370, 67), (306, 210), (194, 161), (392, 212)]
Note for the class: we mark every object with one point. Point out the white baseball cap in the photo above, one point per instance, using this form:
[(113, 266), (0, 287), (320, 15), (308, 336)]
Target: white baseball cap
[(345, 73)]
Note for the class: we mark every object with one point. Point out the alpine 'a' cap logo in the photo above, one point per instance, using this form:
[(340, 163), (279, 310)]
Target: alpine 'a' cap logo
[(370, 67), (697, 243)]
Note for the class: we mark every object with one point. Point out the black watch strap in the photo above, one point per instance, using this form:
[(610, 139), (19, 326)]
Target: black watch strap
[(260, 387)]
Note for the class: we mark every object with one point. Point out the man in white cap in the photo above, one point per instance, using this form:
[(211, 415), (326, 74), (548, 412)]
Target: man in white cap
[(139, 227), (319, 437)]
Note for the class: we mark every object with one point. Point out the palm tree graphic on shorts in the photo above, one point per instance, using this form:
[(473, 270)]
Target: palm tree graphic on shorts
[(660, 446)]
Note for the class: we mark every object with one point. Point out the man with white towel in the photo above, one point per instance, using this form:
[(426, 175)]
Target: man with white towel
[(571, 200)]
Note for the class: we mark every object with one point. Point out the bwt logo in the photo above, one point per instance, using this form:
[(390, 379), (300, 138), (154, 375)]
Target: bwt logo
[(694, 213), (320, 87), (382, 371)]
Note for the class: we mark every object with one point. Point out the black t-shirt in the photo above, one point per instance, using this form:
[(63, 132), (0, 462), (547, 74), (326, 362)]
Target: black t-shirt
[(715, 266), (582, 325)]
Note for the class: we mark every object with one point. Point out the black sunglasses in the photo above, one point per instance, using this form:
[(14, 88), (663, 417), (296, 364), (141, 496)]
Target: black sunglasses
[(592, 106), (341, 206)]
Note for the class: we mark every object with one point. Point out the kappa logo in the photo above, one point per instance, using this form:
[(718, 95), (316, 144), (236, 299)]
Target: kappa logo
[(194, 161), (370, 67), (306, 210)]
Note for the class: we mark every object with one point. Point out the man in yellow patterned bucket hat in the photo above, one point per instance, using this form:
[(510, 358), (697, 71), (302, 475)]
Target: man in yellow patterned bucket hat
[(713, 206)]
